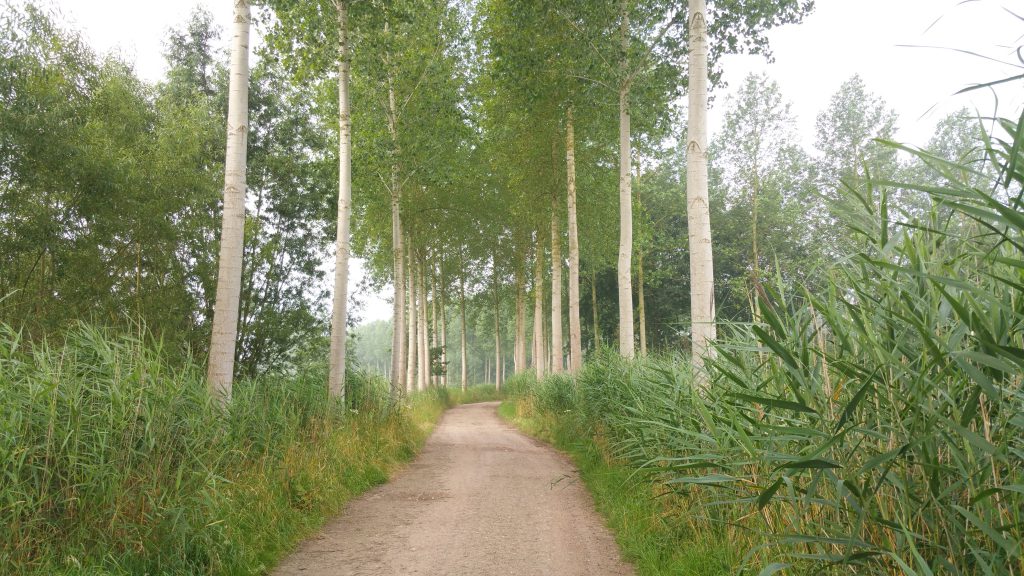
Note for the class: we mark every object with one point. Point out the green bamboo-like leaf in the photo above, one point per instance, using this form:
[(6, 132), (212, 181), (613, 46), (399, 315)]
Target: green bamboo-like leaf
[(765, 497), (811, 464), (851, 406), (709, 479), (775, 402), (1010, 547), (775, 346), (773, 568)]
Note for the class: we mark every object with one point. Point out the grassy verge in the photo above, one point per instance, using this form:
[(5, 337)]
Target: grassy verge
[(113, 461), (646, 522), (475, 393)]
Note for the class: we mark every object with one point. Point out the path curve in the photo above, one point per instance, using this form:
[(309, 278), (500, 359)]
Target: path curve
[(480, 499)]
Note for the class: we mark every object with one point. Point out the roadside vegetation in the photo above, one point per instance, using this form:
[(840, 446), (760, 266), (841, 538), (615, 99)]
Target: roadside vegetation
[(875, 426), (861, 408), (116, 461)]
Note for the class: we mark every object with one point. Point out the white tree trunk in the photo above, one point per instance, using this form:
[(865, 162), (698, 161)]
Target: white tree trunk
[(497, 331), (557, 359), (444, 333), (641, 310), (434, 379), (339, 315), (229, 275), (462, 344), (702, 277), (519, 353), (412, 346), (538, 309), (625, 263), (424, 352), (575, 329), (398, 352), (593, 306)]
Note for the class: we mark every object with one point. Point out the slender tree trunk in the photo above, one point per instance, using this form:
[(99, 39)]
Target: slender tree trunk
[(462, 344), (497, 330), (538, 309), (702, 277), (398, 350), (229, 275), (412, 347), (625, 264), (755, 254), (398, 336), (424, 352), (339, 316), (593, 305), (641, 308), (444, 334), (434, 379), (519, 353), (557, 359), (575, 329)]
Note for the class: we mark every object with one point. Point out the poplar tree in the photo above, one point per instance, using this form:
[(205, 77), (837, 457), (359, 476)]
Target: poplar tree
[(229, 278), (702, 280)]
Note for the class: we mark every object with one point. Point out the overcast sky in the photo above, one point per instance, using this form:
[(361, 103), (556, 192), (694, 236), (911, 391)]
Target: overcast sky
[(841, 38)]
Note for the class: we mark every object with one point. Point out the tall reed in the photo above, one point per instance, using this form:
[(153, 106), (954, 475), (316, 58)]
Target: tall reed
[(113, 460), (874, 428)]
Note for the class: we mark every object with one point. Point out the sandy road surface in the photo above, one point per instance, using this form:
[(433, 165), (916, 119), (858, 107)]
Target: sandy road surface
[(480, 499)]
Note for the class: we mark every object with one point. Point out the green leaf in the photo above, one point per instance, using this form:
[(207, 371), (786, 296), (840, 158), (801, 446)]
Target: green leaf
[(812, 464), (775, 402), (766, 495), (773, 568)]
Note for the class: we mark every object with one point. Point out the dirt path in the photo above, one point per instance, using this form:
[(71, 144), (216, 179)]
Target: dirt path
[(480, 499)]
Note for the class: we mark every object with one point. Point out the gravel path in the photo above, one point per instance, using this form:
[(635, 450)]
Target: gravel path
[(480, 499)]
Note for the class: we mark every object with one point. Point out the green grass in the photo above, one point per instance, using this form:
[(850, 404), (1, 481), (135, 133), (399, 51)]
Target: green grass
[(649, 532), (475, 393), (113, 461)]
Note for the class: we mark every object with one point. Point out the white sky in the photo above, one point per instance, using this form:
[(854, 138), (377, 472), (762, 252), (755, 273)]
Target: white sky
[(841, 38)]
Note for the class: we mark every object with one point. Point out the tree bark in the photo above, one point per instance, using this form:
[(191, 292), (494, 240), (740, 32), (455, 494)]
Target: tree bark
[(557, 359), (593, 306), (497, 329), (538, 308), (641, 308), (444, 333), (412, 347), (755, 274), (424, 351), (220, 370), (625, 264), (702, 291), (519, 353), (575, 329), (434, 378), (462, 344), (339, 315), (398, 351)]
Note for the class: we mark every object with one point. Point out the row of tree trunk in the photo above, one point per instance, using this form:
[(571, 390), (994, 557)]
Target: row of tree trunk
[(220, 370), (411, 352)]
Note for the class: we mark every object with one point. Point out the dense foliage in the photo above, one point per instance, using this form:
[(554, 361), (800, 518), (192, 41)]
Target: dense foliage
[(109, 193)]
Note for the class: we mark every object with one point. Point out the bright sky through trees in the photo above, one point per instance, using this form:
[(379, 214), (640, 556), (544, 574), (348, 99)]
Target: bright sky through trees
[(840, 38)]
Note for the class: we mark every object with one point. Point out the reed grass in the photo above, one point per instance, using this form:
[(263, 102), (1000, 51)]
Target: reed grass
[(113, 461), (876, 427)]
